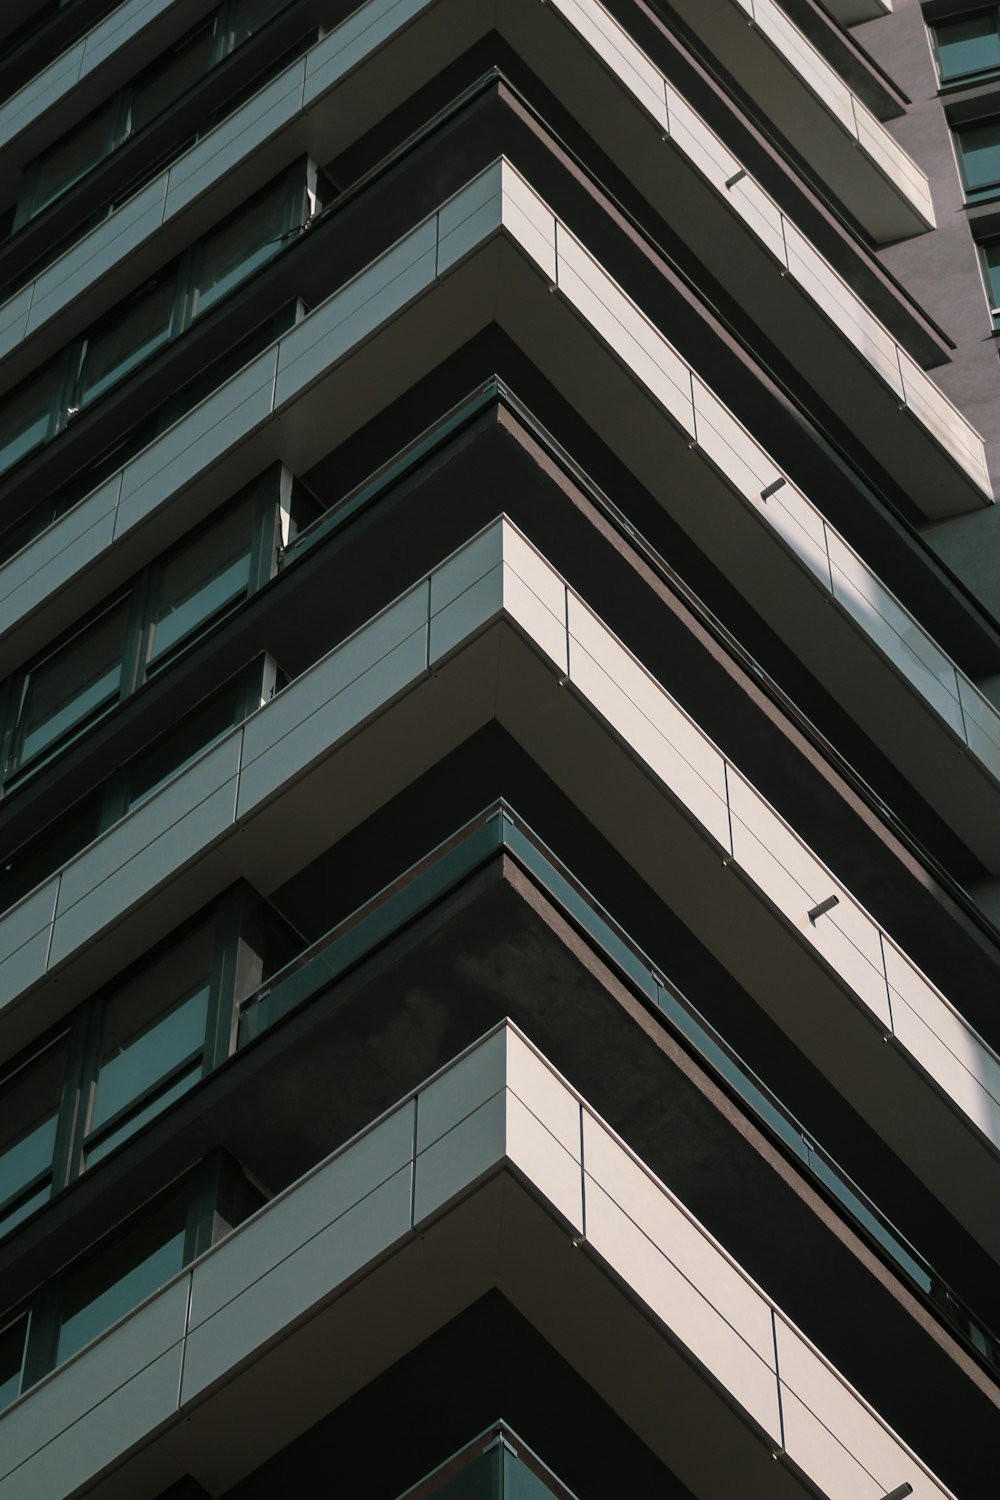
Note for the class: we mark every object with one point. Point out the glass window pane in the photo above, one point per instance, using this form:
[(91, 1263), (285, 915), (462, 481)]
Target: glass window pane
[(73, 683), (162, 84), (249, 15), (153, 1025), (25, 416), (12, 1360), (201, 578), (122, 341), (120, 1274), (991, 262), (29, 1113), (969, 46), (139, 1062), (71, 157), (980, 145), (242, 243)]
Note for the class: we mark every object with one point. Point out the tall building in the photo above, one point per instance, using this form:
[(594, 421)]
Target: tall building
[(499, 748)]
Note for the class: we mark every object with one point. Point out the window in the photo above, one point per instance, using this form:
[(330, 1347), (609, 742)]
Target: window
[(140, 102), (128, 1054), (163, 611), (71, 686), (108, 1284), (969, 47), (155, 314), (121, 1270), (130, 784), (979, 152), (989, 253), (12, 1342), (201, 580), (30, 1101)]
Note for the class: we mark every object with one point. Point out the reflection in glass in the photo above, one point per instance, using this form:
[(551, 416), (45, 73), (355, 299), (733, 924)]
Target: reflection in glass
[(152, 1043), (12, 1359), (73, 683), (240, 245), (114, 1280), (72, 156), (201, 579), (29, 1110), (165, 82), (25, 415), (119, 343), (980, 149), (969, 46)]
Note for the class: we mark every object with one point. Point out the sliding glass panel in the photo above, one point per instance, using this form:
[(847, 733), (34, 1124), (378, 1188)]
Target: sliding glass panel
[(126, 338), (153, 1040), (174, 749), (991, 265), (12, 1339), (123, 1271), (242, 243), (72, 156), (248, 15), (30, 1099), (25, 416), (201, 579), (980, 150), (968, 46), (73, 684), (164, 83)]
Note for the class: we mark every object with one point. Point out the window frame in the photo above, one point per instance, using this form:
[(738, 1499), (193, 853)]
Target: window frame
[(294, 189), (119, 130), (262, 503), (973, 75), (988, 190), (243, 934)]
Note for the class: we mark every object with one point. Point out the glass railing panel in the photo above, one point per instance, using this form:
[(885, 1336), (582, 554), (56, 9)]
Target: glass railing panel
[(454, 860), (981, 724)]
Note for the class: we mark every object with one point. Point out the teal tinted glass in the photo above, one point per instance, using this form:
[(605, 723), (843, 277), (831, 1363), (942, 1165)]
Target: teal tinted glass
[(969, 46), (980, 149), (119, 1275), (30, 1100), (991, 265), (244, 242), (72, 684), (73, 156), (124, 340), (152, 1042), (139, 1063), (12, 1360), (201, 578), (25, 416)]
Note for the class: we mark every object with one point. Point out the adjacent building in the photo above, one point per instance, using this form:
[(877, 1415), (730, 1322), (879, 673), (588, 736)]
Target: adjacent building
[(499, 748)]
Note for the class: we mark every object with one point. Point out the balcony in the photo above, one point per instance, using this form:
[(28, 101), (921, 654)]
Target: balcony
[(494, 632), (493, 1172), (852, 156)]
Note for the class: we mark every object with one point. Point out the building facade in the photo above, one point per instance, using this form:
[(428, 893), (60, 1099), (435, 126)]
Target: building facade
[(499, 748)]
